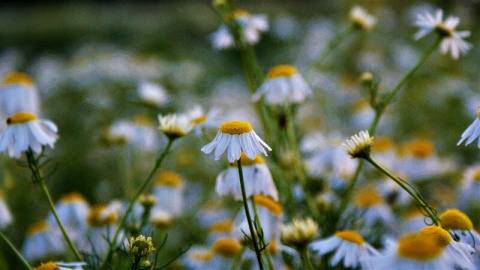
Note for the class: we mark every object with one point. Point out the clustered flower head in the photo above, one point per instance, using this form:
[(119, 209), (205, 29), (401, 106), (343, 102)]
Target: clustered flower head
[(300, 232), (452, 40), (360, 18), (359, 145), (141, 246)]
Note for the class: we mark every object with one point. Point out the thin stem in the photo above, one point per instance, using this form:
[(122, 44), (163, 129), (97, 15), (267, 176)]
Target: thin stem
[(17, 253), (238, 259), (260, 228), (142, 188), (38, 178), (249, 219), (306, 262)]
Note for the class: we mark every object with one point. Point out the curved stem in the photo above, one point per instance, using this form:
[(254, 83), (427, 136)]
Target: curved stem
[(142, 188), (17, 253)]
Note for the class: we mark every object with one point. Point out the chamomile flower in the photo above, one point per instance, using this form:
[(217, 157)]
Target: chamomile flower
[(61, 266), (203, 120), (284, 85), (256, 176), (25, 131), (360, 18), (472, 132), (174, 125), (168, 191), (349, 247), (151, 93), (250, 25), (235, 137), (224, 251), (18, 93), (42, 241), (359, 145), (452, 40), (462, 227), (300, 232)]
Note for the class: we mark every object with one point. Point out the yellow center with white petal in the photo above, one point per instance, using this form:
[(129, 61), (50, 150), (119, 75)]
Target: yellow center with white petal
[(281, 71), (38, 227), (169, 178), (47, 266), (478, 112), (443, 30), (440, 236), (235, 128), (270, 204), (248, 162), (226, 247), (18, 78), (199, 120), (201, 256), (95, 217), (222, 226), (21, 118), (350, 236), (417, 248), (476, 175), (454, 219), (419, 148), (239, 13), (72, 197), (161, 219), (367, 198)]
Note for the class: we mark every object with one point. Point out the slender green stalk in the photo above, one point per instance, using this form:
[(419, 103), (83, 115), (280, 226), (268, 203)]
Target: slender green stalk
[(237, 259), (132, 201), (305, 258), (249, 219), (38, 178), (413, 193), (260, 228), (17, 253)]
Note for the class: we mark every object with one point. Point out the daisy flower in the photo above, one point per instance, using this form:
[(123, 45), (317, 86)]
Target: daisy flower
[(348, 245), (300, 232), (42, 241), (174, 125), (251, 27), (472, 132), (359, 145), (151, 93), (256, 175), (235, 137), (360, 18), (168, 191), (462, 227), (284, 85), (18, 93), (452, 40), (25, 131), (61, 266), (224, 252)]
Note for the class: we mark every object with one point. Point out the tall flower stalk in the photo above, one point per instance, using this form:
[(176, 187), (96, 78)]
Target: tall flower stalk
[(15, 251)]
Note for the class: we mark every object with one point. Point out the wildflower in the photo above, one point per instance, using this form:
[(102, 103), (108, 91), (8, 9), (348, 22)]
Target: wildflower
[(452, 40), (197, 257), (18, 93), (284, 85), (224, 251), (250, 26), (25, 131), (152, 93), (360, 145), (360, 18), (201, 120), (472, 132), (141, 246), (61, 266), (469, 195), (168, 191), (42, 241), (349, 246), (235, 137), (161, 218), (5, 215), (462, 227), (366, 78), (220, 229), (371, 206), (174, 125), (256, 176), (139, 133), (300, 232)]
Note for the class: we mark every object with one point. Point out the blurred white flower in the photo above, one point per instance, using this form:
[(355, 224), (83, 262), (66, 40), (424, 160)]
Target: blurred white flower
[(18, 93), (152, 93), (360, 18), (175, 125), (42, 241)]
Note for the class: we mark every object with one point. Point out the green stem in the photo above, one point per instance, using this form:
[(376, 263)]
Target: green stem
[(260, 228), (306, 262), (132, 201), (238, 259), (249, 219), (17, 253), (413, 193), (38, 178)]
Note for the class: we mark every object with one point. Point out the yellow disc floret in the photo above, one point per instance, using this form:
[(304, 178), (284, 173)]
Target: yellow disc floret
[(239, 13), (367, 198), (226, 247), (222, 226), (454, 219), (248, 162), (419, 148), (235, 127), (21, 117), (72, 197), (38, 227), (350, 236), (18, 78), (47, 266), (418, 248), (168, 178), (440, 236), (281, 71), (199, 120), (268, 203)]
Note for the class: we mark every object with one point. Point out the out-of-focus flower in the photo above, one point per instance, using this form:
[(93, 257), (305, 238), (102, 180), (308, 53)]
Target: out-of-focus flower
[(141, 246), (200, 120), (5, 215), (174, 125), (360, 18), (284, 85), (42, 241), (152, 93), (472, 132), (349, 247), (139, 133), (371, 207), (235, 137), (462, 227), (18, 93), (256, 176), (197, 258), (61, 266), (168, 190), (452, 40), (224, 251), (250, 26), (25, 131), (300, 232), (359, 145)]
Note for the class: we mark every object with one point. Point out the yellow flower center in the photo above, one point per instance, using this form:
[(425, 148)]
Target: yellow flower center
[(223, 226), (269, 203), (382, 144), (454, 219), (204, 256), (168, 178), (94, 219), (443, 30), (18, 78), (367, 198), (235, 127), (199, 120), (72, 197), (419, 148), (476, 175), (440, 236), (21, 117), (239, 13), (478, 112), (418, 248), (248, 162), (272, 246), (226, 247), (350, 236), (47, 266), (38, 227), (281, 71)]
